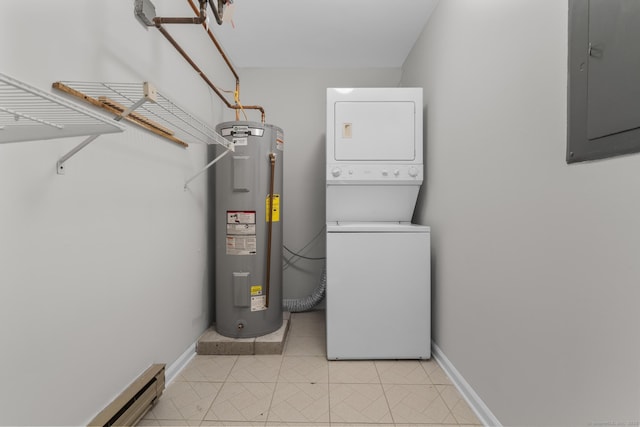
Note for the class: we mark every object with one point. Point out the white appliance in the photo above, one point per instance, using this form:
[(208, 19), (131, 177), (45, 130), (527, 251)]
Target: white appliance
[(378, 263)]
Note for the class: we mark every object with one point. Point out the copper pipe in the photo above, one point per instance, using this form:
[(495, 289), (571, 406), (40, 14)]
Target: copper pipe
[(272, 160), (215, 42), (233, 71), (193, 64), (223, 55), (250, 107), (201, 17), (198, 20), (201, 20)]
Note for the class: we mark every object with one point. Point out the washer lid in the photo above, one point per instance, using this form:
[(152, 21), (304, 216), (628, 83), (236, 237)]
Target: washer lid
[(376, 227)]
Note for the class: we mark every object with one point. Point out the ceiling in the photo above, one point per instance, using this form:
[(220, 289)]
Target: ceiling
[(322, 33)]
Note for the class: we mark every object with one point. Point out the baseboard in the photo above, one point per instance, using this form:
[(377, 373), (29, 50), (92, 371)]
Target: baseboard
[(481, 410), (174, 369)]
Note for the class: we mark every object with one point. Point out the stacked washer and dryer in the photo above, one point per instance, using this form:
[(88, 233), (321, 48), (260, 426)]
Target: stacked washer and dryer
[(378, 263)]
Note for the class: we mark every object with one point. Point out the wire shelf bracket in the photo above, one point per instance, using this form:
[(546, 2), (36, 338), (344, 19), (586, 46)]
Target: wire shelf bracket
[(203, 170), (148, 95), (163, 116), (30, 114)]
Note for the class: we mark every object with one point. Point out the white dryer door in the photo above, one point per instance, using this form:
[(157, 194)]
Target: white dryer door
[(380, 131)]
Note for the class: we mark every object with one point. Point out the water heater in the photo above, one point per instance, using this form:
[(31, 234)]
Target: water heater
[(248, 231)]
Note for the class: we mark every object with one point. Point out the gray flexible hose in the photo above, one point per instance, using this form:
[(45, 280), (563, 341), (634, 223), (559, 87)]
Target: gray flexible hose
[(310, 301)]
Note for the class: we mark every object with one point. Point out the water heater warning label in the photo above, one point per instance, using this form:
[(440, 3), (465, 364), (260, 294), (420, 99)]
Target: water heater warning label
[(241, 233), (275, 207), (235, 229), (258, 303), (241, 245), (241, 217)]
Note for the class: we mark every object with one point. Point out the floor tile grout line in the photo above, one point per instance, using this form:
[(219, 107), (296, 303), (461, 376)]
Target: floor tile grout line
[(329, 392), (278, 380), (386, 398), (275, 387), (219, 390), (426, 372), (446, 404), (212, 402)]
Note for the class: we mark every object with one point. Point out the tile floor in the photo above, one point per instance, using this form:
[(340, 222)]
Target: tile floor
[(301, 388)]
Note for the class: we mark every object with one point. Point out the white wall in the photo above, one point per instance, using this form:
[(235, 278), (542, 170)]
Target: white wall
[(104, 269), (535, 262), (295, 100)]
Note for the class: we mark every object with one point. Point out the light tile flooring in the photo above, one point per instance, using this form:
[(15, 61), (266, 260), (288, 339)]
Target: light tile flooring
[(302, 388)]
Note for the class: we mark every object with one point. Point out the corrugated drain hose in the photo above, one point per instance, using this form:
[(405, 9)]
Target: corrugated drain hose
[(310, 301)]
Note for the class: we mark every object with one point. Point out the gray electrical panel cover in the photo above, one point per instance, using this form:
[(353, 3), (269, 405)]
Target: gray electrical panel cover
[(604, 79)]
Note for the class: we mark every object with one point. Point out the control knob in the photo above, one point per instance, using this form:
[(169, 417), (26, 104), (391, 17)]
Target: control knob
[(336, 172), (413, 172)]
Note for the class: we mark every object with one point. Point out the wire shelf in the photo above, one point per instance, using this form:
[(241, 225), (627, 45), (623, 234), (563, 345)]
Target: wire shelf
[(163, 112), (29, 114)]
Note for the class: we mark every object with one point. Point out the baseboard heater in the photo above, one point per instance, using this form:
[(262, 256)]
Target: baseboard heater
[(134, 402)]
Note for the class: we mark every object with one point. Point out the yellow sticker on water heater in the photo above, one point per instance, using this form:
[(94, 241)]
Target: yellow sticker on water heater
[(256, 290), (275, 208)]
